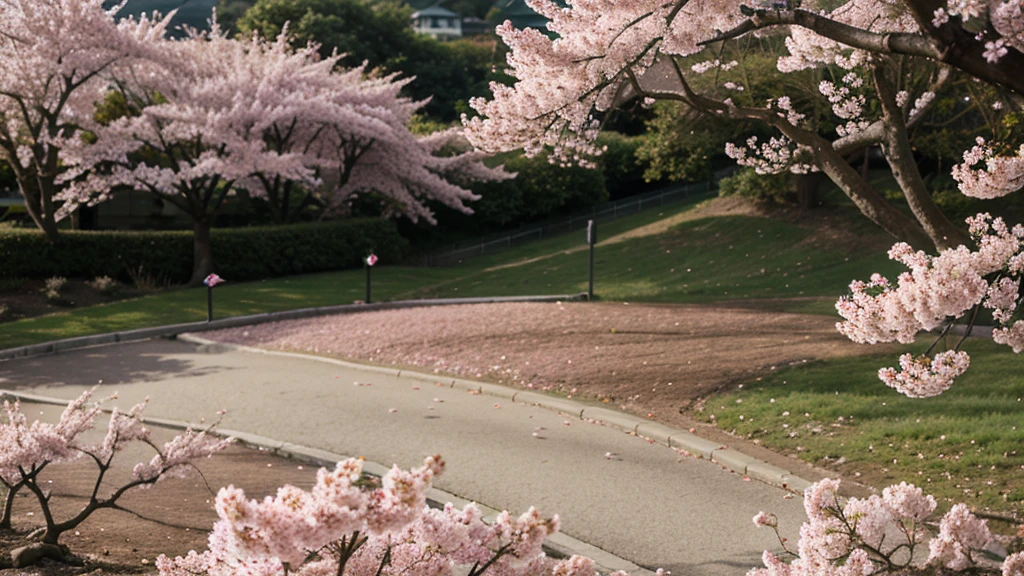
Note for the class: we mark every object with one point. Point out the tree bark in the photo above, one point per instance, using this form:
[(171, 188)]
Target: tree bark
[(39, 208), (666, 80), (943, 233), (202, 251), (5, 520), (949, 43), (806, 188)]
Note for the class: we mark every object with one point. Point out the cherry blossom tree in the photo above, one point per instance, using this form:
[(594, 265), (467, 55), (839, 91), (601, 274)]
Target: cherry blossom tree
[(352, 131), (640, 51), (604, 53), (55, 58), (258, 116), (196, 134), (882, 534), (27, 449), (351, 524)]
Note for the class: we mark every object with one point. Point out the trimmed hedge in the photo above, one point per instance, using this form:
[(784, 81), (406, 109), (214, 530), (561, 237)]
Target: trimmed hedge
[(238, 253)]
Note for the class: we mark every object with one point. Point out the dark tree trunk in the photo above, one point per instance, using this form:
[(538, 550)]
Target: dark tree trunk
[(202, 253), (5, 520), (39, 206), (806, 188)]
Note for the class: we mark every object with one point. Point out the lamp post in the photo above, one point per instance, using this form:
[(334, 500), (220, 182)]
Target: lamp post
[(591, 240), (210, 281), (370, 261)]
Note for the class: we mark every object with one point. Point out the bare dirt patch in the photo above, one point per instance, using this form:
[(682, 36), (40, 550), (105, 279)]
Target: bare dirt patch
[(171, 518), (647, 359)]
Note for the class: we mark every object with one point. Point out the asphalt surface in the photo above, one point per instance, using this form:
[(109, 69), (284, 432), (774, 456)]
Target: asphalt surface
[(641, 501)]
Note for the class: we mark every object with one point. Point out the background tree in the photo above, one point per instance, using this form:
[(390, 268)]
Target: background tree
[(55, 58), (379, 33), (283, 125), (353, 134), (197, 133)]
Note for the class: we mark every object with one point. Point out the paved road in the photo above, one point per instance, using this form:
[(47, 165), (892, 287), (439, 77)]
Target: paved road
[(647, 503)]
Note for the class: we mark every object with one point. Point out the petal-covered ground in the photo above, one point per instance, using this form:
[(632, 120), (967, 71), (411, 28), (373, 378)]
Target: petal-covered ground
[(655, 360)]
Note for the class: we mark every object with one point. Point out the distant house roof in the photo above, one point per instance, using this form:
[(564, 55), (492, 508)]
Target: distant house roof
[(435, 11)]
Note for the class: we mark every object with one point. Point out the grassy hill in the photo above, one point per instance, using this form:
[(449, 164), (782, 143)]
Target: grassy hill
[(699, 252)]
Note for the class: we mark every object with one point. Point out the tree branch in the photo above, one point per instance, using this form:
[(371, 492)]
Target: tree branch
[(887, 43), (900, 155)]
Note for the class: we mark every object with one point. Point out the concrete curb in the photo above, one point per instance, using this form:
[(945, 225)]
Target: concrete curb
[(557, 545), (681, 440), (175, 329)]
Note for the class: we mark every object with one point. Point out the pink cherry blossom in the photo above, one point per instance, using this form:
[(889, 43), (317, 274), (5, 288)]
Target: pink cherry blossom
[(936, 290), (26, 449), (985, 174), (909, 502), (1013, 565), (56, 57), (369, 528), (924, 377), (961, 535), (880, 534)]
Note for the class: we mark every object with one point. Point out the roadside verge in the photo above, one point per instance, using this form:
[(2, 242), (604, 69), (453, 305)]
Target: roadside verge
[(175, 329)]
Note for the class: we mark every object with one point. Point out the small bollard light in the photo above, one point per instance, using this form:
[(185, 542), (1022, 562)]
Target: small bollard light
[(591, 241), (210, 281), (370, 261)]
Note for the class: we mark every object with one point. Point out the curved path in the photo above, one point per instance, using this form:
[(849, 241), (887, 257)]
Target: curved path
[(641, 501)]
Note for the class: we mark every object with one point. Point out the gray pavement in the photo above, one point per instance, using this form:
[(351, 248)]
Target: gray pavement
[(645, 503)]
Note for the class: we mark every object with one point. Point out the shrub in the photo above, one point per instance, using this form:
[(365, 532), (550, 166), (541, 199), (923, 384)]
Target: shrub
[(53, 287), (539, 190), (760, 188), (104, 285), (622, 169), (239, 253)]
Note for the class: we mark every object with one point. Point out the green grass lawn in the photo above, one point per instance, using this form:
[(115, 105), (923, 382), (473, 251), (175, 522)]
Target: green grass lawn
[(709, 260), (966, 445), (189, 305)]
